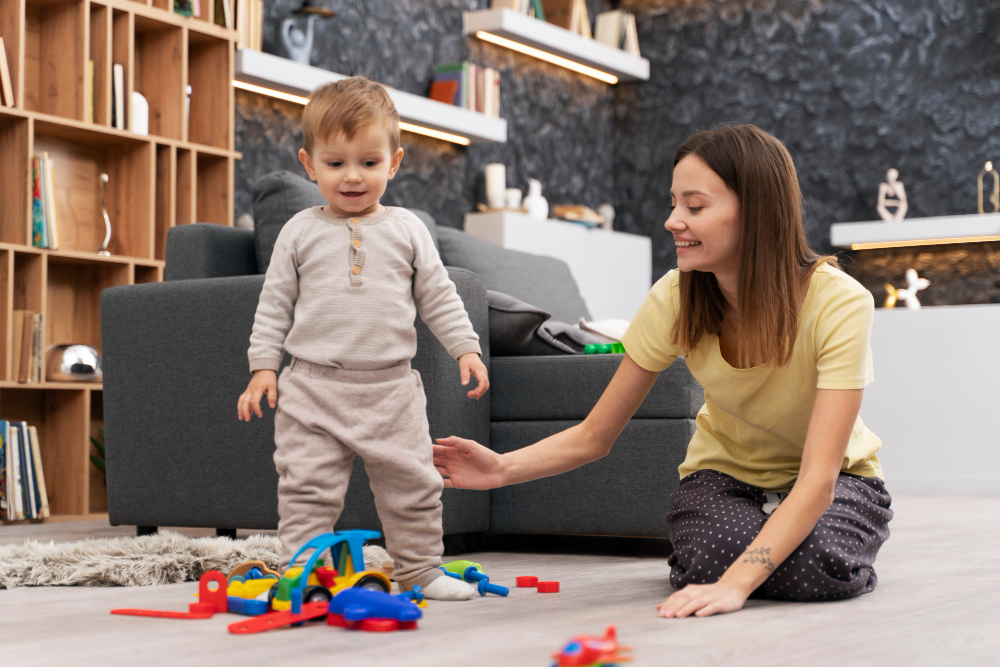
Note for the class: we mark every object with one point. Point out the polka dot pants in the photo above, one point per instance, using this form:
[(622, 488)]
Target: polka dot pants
[(715, 517)]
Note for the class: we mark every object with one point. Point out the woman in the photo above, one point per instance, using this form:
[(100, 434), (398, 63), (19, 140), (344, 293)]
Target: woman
[(779, 339)]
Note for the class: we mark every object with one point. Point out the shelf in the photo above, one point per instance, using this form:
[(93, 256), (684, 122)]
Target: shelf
[(273, 73), (916, 232), (556, 41), (11, 384), (83, 257)]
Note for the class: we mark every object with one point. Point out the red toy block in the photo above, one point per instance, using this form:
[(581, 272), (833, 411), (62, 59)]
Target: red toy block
[(548, 586), (279, 619), (526, 582)]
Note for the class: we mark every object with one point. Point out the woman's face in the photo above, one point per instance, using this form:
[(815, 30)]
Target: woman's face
[(705, 220)]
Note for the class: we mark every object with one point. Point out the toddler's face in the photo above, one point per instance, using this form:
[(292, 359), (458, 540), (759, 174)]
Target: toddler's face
[(352, 174)]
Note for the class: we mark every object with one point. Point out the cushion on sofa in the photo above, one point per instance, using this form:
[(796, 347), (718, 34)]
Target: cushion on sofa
[(280, 195), (544, 282)]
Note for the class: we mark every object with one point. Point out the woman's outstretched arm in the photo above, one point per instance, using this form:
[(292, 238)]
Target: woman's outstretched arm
[(833, 416), (465, 464)]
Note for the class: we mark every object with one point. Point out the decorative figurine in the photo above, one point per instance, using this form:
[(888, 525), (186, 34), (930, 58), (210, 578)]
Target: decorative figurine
[(909, 295), (72, 363), (298, 45), (535, 203), (995, 196), (103, 250), (891, 193), (139, 118), (607, 211)]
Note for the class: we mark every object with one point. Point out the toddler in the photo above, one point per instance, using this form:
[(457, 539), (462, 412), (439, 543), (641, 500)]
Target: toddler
[(341, 293)]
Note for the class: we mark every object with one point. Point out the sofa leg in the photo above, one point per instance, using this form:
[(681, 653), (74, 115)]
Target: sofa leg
[(140, 531), (226, 532), (460, 543)]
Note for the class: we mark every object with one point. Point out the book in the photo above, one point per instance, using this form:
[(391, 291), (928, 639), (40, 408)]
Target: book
[(617, 29), (3, 467), (457, 72), (118, 96), (444, 91), (38, 350), (42, 230), (17, 326), (16, 490), (36, 454), (52, 217), (37, 214), (27, 471), (223, 15), (6, 85), (24, 370)]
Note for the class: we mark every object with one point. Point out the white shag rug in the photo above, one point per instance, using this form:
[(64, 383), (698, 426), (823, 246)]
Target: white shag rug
[(163, 558)]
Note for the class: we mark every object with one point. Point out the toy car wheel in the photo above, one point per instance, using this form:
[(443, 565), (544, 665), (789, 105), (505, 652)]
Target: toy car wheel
[(370, 583), (316, 594)]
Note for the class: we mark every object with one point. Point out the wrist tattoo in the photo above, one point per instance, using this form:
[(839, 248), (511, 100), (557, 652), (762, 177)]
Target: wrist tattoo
[(761, 555)]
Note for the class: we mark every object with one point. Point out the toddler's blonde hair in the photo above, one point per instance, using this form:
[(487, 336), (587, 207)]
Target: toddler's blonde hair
[(347, 106)]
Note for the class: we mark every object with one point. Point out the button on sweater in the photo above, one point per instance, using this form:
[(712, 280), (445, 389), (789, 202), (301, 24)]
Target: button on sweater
[(345, 292)]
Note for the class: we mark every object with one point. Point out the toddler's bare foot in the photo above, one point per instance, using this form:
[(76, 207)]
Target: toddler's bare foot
[(448, 588)]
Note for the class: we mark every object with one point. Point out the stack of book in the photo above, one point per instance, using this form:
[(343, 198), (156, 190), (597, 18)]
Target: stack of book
[(27, 352), (44, 223), (6, 84), (22, 480), (250, 23), (617, 28), (469, 86)]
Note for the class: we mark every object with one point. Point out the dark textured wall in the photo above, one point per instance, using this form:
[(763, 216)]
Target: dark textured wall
[(560, 125), (853, 87)]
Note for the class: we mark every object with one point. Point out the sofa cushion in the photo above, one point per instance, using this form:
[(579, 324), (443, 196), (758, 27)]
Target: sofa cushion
[(515, 328), (567, 387), (544, 282), (280, 195)]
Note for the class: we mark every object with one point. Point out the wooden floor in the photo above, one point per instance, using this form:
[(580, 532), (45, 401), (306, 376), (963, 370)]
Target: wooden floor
[(937, 603)]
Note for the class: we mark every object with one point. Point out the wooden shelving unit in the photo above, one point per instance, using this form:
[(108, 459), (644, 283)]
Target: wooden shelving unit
[(182, 172)]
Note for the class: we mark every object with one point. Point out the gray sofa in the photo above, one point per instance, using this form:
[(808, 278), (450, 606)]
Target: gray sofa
[(174, 356)]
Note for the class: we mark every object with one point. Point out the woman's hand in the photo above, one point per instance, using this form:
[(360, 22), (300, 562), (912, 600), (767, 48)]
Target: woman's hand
[(471, 364), (263, 382), (704, 600), (465, 464)]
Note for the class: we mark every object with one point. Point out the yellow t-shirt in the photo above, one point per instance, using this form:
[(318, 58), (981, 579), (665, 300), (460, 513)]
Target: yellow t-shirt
[(754, 421)]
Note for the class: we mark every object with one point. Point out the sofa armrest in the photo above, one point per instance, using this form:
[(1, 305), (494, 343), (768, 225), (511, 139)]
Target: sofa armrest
[(207, 250)]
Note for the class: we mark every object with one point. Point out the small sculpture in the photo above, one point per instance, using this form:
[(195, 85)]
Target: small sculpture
[(72, 363), (139, 118), (995, 195), (103, 250), (535, 204), (891, 193), (607, 211), (909, 295), (298, 45)]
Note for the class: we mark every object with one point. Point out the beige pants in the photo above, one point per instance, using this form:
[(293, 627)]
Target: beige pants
[(325, 417)]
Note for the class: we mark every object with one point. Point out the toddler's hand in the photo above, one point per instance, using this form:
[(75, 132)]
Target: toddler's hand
[(263, 382), (470, 364)]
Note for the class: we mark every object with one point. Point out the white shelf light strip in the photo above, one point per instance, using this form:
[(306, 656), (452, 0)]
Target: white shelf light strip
[(285, 79), (916, 232), (554, 44)]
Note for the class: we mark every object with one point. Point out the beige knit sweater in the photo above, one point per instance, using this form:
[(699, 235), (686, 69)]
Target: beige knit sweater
[(344, 292)]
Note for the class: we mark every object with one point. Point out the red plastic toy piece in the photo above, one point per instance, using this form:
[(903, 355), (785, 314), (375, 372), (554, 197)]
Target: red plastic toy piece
[(548, 586), (371, 624), (527, 582), (209, 602), (279, 619)]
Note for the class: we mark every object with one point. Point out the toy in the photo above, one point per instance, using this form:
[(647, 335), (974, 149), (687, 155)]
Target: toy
[(249, 588), (548, 586), (526, 582), (295, 616), (209, 602), (590, 651), (373, 611), (320, 583), (605, 348), (471, 572)]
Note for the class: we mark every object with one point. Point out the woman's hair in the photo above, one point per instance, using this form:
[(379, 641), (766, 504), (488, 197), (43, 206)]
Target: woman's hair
[(773, 254)]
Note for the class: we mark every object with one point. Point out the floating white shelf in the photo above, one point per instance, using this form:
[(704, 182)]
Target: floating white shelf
[(557, 41), (916, 232), (613, 270), (287, 76)]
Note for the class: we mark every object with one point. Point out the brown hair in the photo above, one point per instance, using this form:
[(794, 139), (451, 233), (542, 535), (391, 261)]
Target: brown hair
[(773, 254), (347, 106)]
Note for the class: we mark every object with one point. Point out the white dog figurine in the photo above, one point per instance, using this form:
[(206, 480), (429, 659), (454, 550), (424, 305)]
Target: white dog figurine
[(914, 284)]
